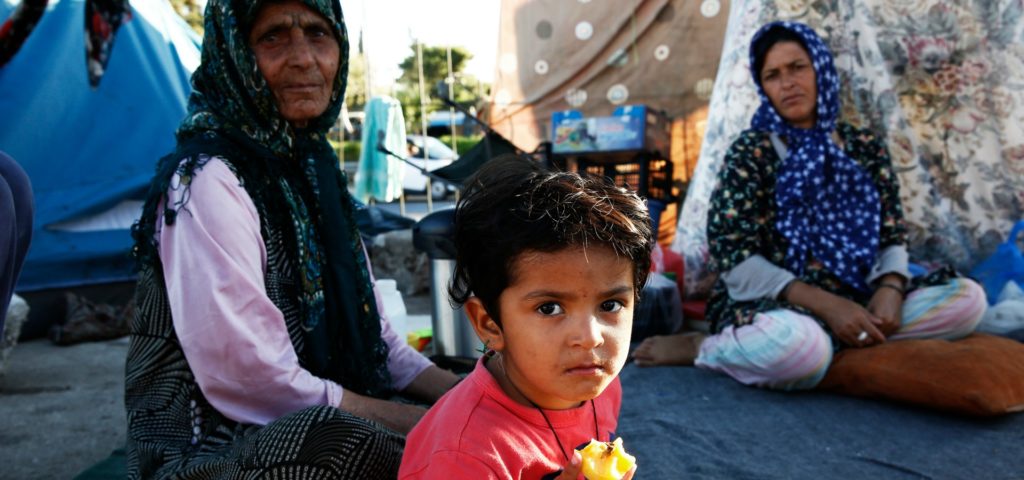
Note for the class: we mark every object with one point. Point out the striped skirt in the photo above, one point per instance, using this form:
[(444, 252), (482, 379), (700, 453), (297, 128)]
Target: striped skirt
[(785, 350)]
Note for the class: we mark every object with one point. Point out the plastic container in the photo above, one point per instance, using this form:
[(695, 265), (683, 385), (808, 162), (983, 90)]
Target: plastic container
[(394, 305), (452, 334)]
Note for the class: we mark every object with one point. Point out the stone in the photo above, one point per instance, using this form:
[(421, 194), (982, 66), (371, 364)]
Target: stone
[(394, 256)]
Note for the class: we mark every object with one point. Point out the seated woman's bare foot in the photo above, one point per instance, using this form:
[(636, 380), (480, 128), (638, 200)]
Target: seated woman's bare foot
[(678, 349)]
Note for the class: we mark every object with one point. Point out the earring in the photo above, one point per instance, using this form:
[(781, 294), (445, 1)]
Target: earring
[(484, 349)]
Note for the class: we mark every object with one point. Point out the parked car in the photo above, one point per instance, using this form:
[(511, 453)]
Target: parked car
[(350, 128), (438, 156)]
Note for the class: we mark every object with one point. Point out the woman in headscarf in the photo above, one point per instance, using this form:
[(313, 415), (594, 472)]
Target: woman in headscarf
[(806, 230), (259, 346)]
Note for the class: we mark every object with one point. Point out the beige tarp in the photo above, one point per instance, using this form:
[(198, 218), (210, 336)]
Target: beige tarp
[(590, 55)]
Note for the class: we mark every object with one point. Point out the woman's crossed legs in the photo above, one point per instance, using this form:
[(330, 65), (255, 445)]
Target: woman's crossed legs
[(786, 350)]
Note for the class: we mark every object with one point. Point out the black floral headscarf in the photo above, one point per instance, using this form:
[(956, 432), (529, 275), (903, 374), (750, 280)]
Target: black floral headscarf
[(294, 173), (229, 92)]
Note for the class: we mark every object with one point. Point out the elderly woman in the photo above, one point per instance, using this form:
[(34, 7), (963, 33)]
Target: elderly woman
[(806, 230), (259, 347)]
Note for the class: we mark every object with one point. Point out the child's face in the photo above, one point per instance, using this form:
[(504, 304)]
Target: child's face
[(566, 322)]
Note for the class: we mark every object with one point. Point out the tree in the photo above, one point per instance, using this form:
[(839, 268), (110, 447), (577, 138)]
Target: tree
[(355, 91), (467, 89), (192, 12), (435, 65)]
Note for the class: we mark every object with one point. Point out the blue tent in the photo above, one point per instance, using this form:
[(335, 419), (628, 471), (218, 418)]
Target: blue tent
[(89, 152)]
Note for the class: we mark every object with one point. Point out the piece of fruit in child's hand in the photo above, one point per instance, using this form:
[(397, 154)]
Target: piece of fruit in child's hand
[(606, 460)]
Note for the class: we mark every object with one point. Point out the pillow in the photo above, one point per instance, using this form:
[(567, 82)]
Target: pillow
[(979, 375)]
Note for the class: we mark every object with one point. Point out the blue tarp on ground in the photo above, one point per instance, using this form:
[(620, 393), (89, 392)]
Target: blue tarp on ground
[(85, 150)]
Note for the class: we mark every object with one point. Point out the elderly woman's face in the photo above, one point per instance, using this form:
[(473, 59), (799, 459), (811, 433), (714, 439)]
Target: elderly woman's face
[(297, 53), (789, 82)]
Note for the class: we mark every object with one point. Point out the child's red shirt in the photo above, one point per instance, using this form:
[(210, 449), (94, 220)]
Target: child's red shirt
[(476, 431)]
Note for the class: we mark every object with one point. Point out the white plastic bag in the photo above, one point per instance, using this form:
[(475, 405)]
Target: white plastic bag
[(17, 314), (1007, 315)]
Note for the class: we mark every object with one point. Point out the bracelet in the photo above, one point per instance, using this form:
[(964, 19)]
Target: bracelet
[(903, 293)]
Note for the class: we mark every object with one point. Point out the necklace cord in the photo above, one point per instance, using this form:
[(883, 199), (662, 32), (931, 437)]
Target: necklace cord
[(593, 410)]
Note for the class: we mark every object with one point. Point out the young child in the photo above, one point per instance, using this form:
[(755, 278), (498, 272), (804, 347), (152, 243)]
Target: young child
[(548, 267)]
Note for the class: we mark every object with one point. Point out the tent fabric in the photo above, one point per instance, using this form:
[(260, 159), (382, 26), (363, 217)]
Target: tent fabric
[(380, 175), (558, 55), (87, 150), (490, 146), (939, 80)]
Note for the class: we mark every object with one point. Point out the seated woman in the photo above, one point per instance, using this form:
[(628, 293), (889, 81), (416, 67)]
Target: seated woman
[(259, 348), (16, 210), (806, 230)]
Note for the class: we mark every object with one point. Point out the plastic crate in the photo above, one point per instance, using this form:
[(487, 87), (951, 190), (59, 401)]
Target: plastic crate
[(649, 177)]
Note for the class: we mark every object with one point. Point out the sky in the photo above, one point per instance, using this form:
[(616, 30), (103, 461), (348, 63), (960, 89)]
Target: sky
[(389, 27)]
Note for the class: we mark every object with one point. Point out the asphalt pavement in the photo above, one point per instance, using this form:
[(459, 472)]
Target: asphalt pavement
[(62, 408)]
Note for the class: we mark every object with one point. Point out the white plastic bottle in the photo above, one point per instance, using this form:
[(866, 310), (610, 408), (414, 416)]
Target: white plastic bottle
[(394, 306)]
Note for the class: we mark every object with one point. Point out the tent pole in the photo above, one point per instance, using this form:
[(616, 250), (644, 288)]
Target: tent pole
[(423, 124), (451, 96)]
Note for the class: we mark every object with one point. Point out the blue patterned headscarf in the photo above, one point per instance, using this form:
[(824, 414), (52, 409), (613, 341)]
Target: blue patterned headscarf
[(828, 205)]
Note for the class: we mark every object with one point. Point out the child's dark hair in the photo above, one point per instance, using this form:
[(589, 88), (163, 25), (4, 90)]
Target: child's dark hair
[(511, 205)]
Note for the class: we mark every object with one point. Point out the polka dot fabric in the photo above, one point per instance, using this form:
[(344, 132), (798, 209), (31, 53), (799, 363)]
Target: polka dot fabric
[(827, 204)]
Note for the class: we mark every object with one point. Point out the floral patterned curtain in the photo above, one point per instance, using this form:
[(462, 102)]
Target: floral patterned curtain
[(942, 81)]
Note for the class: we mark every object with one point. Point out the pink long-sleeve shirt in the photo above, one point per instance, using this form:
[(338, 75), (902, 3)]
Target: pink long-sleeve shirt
[(234, 338)]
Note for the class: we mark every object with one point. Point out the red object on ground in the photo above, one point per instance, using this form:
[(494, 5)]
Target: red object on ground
[(671, 263), (694, 309), (674, 264)]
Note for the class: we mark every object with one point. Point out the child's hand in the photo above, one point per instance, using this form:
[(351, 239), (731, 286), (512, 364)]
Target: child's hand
[(573, 469)]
